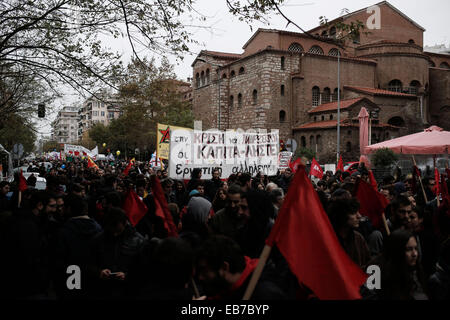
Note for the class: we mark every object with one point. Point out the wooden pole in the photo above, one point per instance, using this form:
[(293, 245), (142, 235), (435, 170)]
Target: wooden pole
[(257, 273), (420, 180), (197, 294), (20, 199)]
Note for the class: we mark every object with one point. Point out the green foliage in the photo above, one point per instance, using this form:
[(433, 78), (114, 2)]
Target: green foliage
[(304, 152), (17, 129), (51, 146), (384, 158)]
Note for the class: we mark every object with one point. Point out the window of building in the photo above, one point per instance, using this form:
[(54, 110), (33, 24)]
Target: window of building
[(295, 47), (323, 118), (232, 74), (207, 76), (334, 52), (303, 141), (224, 76), (324, 33), (411, 41), (331, 117), (255, 96), (431, 64), (315, 118), (444, 65), (241, 70), (202, 78), (414, 87), (335, 94), (282, 90), (357, 38), (239, 100), (282, 116), (319, 143), (396, 121), (349, 132), (326, 95), (348, 146), (197, 80), (316, 50), (395, 85), (231, 102), (103, 113), (315, 96), (110, 115), (282, 63), (311, 142), (333, 32)]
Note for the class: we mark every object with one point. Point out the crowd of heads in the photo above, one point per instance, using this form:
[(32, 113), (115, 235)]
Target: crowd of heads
[(222, 224)]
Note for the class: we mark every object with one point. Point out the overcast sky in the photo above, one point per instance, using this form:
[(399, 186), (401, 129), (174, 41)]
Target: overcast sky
[(228, 34)]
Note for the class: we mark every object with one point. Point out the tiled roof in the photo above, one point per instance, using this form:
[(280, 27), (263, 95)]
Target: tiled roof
[(223, 54), (380, 92), (333, 105), (344, 123)]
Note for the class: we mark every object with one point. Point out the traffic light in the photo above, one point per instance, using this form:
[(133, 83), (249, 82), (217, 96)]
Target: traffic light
[(41, 110)]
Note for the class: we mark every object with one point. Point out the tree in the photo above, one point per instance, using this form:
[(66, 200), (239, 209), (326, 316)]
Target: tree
[(51, 145), (17, 129), (304, 153)]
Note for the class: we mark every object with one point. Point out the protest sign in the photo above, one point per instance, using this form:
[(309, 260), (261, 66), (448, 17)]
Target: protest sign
[(163, 139), (80, 151), (251, 151), (283, 159)]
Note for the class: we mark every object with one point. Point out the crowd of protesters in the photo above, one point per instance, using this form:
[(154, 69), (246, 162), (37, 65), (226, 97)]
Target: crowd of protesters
[(222, 225)]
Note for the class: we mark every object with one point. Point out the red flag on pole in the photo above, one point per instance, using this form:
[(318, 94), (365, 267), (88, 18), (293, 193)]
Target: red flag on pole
[(316, 170), (372, 202), (22, 182), (340, 165), (437, 179), (91, 163), (373, 181), (134, 207), (162, 209), (294, 165), (305, 237)]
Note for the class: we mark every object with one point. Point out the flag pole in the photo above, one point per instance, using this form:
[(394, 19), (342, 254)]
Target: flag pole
[(420, 180), (197, 294), (257, 273), (20, 199), (388, 232)]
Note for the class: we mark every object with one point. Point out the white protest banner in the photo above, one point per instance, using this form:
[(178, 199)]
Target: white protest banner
[(283, 159), (250, 151), (79, 151)]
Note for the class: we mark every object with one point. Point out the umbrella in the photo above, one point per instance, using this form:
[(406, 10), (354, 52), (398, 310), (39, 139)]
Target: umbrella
[(433, 140), (363, 117)]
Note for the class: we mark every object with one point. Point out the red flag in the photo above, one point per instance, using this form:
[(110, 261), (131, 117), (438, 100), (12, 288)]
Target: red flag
[(340, 165), (373, 181), (162, 209), (437, 187), (372, 202), (294, 165), (22, 182), (127, 169), (316, 170), (91, 163), (305, 237), (134, 207)]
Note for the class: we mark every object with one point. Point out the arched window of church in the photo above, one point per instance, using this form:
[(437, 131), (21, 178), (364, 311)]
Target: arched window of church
[(316, 50), (395, 85), (295, 47), (326, 95), (315, 96)]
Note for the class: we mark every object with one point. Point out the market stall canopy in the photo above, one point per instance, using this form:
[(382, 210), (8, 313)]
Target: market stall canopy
[(433, 140)]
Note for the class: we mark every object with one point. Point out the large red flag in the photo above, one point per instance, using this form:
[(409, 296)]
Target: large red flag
[(316, 170), (162, 209), (372, 202), (373, 181), (22, 182), (91, 163), (134, 207), (340, 165), (305, 237)]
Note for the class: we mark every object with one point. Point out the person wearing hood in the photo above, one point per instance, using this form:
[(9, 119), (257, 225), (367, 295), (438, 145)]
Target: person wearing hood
[(194, 222), (72, 247), (196, 175)]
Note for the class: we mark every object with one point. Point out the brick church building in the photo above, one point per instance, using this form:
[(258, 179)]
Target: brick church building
[(289, 81)]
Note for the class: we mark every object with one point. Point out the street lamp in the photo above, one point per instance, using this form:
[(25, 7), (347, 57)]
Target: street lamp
[(218, 83)]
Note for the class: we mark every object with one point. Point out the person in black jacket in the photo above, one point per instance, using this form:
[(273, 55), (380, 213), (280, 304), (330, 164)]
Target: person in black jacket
[(439, 282), (112, 253), (72, 247), (224, 272)]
